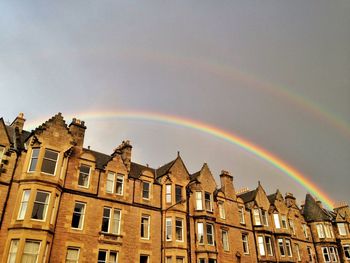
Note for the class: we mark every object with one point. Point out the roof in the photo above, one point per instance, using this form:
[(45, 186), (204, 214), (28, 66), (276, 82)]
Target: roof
[(165, 168), (195, 176), (22, 136), (313, 212), (248, 196), (136, 170), (272, 198), (101, 158)]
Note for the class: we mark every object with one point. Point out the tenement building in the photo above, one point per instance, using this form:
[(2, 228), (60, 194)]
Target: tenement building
[(61, 202)]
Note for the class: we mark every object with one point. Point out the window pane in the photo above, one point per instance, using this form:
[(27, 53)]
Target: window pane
[(72, 255), (281, 247), (102, 256), (200, 230), (143, 259), (105, 219), (178, 193), (113, 256), (110, 182), (78, 215), (49, 162), (116, 221), (225, 240), (199, 202), (24, 205), (145, 227), (210, 234), (261, 246), (178, 226), (40, 205), (34, 159), (120, 182), (168, 230), (84, 173), (208, 201), (245, 243), (168, 193), (145, 190), (277, 220), (30, 252), (13, 251)]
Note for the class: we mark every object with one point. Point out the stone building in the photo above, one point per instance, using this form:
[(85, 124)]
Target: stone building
[(61, 202)]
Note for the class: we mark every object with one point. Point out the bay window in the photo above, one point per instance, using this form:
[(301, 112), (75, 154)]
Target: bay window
[(179, 229), (31, 251), (40, 205), (24, 205), (200, 232), (210, 234)]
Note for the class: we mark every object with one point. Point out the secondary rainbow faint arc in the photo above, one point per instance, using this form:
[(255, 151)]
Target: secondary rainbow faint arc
[(219, 133)]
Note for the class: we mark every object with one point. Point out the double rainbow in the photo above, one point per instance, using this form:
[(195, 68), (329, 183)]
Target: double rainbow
[(219, 133)]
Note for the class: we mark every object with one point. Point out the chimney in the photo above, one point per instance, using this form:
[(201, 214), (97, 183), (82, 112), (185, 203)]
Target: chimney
[(77, 129), (319, 203), (226, 180), (18, 122), (289, 199), (125, 150)]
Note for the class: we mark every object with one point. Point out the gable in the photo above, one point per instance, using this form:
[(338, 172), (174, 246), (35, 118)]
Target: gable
[(4, 136)]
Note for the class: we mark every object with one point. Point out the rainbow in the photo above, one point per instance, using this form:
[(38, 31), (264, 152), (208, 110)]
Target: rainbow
[(219, 133)]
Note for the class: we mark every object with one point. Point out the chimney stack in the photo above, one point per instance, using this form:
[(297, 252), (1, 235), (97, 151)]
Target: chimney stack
[(77, 129), (226, 180), (125, 150), (18, 122), (289, 199)]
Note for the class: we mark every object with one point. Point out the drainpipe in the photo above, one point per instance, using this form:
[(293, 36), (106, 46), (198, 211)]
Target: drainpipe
[(10, 185)]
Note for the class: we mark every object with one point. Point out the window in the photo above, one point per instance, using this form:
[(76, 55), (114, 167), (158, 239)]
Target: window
[(268, 242), (309, 252), (326, 254), (256, 215), (24, 205), (291, 225), (111, 223), (46, 252), (245, 243), (261, 246), (281, 247), (210, 234), (241, 215), (199, 202), (146, 190), (13, 251), (120, 184), (104, 256), (168, 229), (208, 202), (178, 193), (144, 259), (333, 253), (33, 159), (72, 255), (84, 174), (347, 251), (49, 162), (179, 260), (264, 217), (225, 243), (78, 215), (305, 230), (327, 231), (200, 232), (110, 182), (54, 209), (40, 205), (2, 150), (221, 210), (31, 251), (168, 193), (168, 259), (201, 260), (320, 230), (298, 252), (145, 226), (289, 248), (179, 229), (276, 219), (284, 221)]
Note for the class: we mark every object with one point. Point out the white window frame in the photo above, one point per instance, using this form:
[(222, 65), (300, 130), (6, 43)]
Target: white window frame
[(346, 248), (32, 241), (148, 217), (245, 243), (120, 179), (325, 249), (222, 213), (210, 233), (289, 248), (12, 255), (280, 244), (284, 222), (298, 252), (24, 204), (200, 232), (45, 158), (264, 218), (168, 229), (333, 254), (149, 190), (276, 219), (46, 205), (82, 215), (31, 160), (268, 242), (168, 193), (182, 229), (241, 211), (309, 253), (320, 231), (88, 175), (73, 259), (256, 215), (199, 200), (110, 182), (225, 240), (261, 246), (208, 201)]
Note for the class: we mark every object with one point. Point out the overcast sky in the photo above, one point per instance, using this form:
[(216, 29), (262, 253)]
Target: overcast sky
[(274, 72)]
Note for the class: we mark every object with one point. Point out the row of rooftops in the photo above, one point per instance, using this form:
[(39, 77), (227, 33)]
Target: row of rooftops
[(311, 209)]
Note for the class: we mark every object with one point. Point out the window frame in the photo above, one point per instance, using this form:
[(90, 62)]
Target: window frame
[(72, 260), (297, 248), (110, 183), (181, 228), (264, 218), (289, 250), (225, 240), (320, 231), (256, 216), (84, 173), (245, 243), (208, 202), (241, 211), (82, 215), (211, 234), (200, 233), (276, 220), (119, 180), (13, 253), (269, 248), (282, 249), (2, 152), (148, 217), (46, 205), (26, 253), (347, 248), (148, 191), (261, 245), (49, 159), (222, 212), (21, 205), (178, 198), (36, 149), (168, 228), (168, 197), (284, 222), (199, 201)]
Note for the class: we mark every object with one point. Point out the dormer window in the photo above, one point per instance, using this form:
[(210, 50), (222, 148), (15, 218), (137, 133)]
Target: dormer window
[(120, 184), (264, 217), (276, 219), (84, 174), (256, 215), (146, 186), (284, 221), (208, 202), (49, 162)]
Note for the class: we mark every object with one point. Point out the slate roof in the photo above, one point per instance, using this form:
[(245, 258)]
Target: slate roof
[(272, 198), (164, 169), (136, 170), (101, 158), (22, 137), (195, 176), (248, 196), (313, 212)]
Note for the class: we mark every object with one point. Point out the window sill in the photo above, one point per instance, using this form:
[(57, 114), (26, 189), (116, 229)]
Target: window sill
[(110, 238)]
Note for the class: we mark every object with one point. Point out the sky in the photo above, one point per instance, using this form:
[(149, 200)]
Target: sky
[(276, 73)]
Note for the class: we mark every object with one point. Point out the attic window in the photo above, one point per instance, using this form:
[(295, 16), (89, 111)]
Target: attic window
[(49, 162)]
